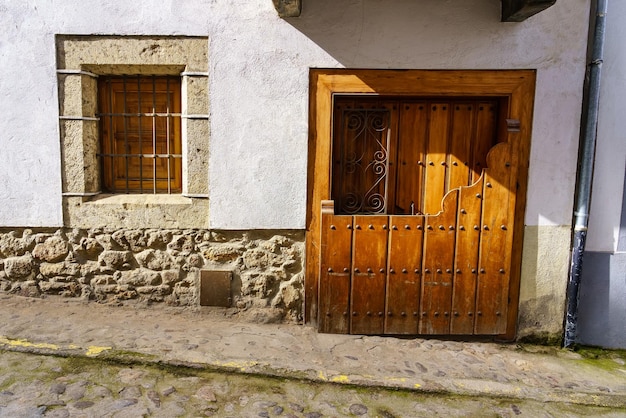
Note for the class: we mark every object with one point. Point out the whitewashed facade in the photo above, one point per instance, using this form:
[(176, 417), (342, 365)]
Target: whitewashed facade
[(258, 94)]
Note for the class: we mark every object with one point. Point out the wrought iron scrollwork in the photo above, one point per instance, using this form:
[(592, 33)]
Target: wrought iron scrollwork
[(363, 161)]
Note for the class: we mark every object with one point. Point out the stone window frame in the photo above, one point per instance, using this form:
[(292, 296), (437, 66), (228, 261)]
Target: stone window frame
[(80, 60)]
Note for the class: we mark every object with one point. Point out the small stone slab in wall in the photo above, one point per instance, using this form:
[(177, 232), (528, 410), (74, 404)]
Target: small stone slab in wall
[(288, 8)]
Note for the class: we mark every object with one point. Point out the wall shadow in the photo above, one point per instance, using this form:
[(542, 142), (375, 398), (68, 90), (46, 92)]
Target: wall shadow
[(399, 33)]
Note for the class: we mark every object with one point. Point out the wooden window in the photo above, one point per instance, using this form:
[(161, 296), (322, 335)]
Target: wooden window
[(140, 134)]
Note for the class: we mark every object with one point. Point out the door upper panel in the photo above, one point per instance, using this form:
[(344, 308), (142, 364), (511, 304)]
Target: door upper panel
[(402, 156)]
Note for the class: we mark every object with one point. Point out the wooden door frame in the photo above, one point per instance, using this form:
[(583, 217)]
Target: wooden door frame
[(518, 86)]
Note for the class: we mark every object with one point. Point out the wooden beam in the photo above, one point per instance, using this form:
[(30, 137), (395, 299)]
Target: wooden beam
[(288, 8), (512, 10), (520, 10)]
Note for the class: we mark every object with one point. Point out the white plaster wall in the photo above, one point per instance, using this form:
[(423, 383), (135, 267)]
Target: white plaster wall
[(259, 88), (30, 182), (610, 166)]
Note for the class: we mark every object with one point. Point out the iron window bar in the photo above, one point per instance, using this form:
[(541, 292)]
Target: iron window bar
[(141, 155), (126, 147), (140, 144), (167, 136), (110, 138), (154, 159), (146, 114)]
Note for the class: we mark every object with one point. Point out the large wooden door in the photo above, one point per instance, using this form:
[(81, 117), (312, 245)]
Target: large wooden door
[(420, 192), (421, 214)]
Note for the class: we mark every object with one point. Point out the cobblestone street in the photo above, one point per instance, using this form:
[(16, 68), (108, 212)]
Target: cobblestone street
[(66, 358), (34, 385)]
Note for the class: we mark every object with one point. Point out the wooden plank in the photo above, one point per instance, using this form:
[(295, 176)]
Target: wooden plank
[(412, 139), (406, 238), (424, 82), (522, 107), (318, 175), (439, 240), (520, 10), (392, 154), (495, 245), (466, 259), (485, 136), (461, 139), (369, 266), (437, 151), (335, 263)]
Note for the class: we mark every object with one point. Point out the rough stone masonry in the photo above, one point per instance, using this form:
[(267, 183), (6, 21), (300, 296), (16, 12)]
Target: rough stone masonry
[(157, 265)]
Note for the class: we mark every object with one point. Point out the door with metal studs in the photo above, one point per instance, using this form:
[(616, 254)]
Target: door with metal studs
[(417, 237)]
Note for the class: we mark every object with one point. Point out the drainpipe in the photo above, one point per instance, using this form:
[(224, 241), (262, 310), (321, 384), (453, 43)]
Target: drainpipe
[(585, 170)]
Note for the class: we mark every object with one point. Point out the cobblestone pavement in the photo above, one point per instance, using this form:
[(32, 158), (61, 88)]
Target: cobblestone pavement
[(477, 376), (44, 386)]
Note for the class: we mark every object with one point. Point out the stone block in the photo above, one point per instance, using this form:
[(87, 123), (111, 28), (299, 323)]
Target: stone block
[(126, 54), (103, 280), (26, 288), (170, 277), (160, 290), (18, 267), (116, 260), (184, 245), (70, 86), (11, 245), (106, 288), (91, 247), (197, 169), (195, 260), (89, 268), (53, 250), (51, 269), (155, 260), (224, 253), (133, 240), (125, 294), (261, 259), (72, 141), (57, 287), (196, 89), (259, 286), (139, 277), (158, 240)]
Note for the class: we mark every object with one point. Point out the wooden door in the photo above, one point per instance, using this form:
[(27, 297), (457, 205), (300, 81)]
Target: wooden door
[(416, 239), (513, 91)]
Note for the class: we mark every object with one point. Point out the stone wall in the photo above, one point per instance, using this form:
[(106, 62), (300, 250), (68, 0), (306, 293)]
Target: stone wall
[(157, 265)]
